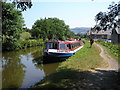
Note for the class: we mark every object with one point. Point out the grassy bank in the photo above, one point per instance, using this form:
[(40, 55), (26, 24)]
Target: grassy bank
[(72, 72)]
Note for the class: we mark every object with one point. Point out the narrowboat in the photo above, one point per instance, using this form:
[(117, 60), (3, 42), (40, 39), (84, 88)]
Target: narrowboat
[(62, 48)]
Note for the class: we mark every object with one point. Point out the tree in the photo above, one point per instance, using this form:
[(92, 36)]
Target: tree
[(12, 24), (106, 20), (81, 35), (51, 28)]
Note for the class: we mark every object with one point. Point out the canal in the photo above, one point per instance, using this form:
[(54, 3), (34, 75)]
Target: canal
[(24, 68)]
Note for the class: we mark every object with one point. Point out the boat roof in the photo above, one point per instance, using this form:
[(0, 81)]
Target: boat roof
[(66, 41)]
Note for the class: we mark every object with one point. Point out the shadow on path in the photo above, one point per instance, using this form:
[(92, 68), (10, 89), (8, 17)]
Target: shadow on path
[(98, 79)]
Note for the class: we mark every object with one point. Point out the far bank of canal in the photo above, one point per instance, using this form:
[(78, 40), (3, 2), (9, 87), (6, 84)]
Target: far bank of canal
[(23, 68)]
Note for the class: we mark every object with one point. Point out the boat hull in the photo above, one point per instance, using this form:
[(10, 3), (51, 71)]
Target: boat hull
[(52, 54)]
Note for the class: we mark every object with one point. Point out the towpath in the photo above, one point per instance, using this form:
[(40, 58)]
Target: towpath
[(112, 63)]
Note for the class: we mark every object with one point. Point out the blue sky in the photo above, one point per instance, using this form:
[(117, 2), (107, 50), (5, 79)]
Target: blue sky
[(75, 14)]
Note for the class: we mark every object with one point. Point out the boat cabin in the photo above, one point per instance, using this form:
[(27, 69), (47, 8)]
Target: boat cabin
[(62, 48), (63, 45)]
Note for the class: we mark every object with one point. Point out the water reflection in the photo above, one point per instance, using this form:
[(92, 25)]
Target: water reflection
[(24, 68), (32, 74), (13, 70), (48, 64), (48, 68)]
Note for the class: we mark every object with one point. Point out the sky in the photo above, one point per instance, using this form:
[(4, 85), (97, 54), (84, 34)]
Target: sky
[(75, 13)]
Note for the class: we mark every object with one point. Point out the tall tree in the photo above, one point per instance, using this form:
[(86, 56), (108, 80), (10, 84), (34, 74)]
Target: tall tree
[(12, 24), (108, 19)]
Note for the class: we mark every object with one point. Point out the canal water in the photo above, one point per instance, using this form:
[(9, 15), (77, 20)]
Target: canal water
[(24, 68)]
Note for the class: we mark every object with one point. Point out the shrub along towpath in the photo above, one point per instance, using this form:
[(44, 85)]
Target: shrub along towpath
[(89, 68)]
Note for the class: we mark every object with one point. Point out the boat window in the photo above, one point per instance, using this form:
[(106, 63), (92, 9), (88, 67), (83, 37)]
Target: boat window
[(52, 45), (55, 45), (62, 46), (69, 46)]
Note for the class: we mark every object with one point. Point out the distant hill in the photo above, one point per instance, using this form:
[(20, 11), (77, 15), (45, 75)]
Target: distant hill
[(81, 30)]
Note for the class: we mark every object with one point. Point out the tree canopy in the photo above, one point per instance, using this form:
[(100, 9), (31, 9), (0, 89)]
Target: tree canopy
[(12, 24), (12, 20), (51, 28), (109, 19)]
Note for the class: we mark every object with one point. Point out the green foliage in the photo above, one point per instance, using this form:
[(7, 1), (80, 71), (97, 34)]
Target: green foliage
[(114, 49), (12, 23), (30, 43), (10, 43), (25, 29), (81, 35), (25, 35), (108, 19), (51, 28)]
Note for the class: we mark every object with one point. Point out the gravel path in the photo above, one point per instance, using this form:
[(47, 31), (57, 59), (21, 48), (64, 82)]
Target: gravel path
[(113, 64)]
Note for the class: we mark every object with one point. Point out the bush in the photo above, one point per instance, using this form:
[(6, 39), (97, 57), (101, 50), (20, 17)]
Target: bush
[(10, 43), (30, 43), (14, 44), (25, 35)]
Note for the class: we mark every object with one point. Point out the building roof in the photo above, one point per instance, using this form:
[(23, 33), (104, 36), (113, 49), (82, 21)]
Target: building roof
[(102, 32)]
